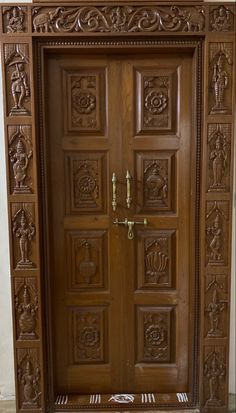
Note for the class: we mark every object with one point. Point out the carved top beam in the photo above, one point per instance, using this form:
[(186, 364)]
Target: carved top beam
[(41, 19)]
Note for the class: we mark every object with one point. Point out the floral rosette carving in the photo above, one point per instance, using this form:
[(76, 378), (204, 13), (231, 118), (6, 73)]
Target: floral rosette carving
[(155, 335), (84, 102), (156, 102), (89, 336)]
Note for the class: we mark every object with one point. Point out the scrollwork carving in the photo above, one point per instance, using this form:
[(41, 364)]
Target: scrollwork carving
[(118, 19)]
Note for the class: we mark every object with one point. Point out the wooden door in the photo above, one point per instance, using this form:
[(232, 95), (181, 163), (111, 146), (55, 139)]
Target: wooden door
[(121, 309)]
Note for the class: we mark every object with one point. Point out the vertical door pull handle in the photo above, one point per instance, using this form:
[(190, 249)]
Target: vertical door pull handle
[(128, 183), (114, 181)]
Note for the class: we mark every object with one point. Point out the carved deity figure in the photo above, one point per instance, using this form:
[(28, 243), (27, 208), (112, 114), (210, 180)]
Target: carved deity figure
[(20, 160), (214, 310), (30, 382), (25, 232), (220, 83), (218, 156), (214, 370), (19, 87), (221, 19), (27, 319), (15, 19), (216, 243)]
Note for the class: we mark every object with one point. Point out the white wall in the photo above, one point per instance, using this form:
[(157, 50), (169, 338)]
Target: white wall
[(6, 351)]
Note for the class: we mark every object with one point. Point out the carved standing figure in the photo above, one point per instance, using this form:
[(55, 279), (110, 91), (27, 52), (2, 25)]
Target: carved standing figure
[(220, 83), (20, 160), (216, 242), (214, 309), (219, 157), (30, 382), (19, 87), (25, 233), (214, 371)]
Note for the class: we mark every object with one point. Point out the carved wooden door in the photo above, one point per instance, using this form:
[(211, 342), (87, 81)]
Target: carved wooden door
[(120, 148)]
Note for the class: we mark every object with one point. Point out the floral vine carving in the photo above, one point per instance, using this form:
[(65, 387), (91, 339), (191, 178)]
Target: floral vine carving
[(118, 19)]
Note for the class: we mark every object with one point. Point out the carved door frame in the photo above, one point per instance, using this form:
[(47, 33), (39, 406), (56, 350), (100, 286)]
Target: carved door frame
[(25, 31)]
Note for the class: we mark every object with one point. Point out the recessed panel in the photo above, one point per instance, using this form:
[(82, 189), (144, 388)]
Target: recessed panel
[(155, 175), (156, 100), (85, 101), (155, 334), (87, 260), (86, 182), (156, 259), (88, 335)]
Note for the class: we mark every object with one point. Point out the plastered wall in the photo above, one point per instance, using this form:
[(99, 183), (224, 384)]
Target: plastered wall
[(6, 350)]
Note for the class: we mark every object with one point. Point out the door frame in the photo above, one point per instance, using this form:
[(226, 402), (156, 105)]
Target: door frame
[(196, 26)]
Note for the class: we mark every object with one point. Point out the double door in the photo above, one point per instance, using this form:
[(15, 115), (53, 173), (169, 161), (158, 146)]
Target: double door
[(120, 196)]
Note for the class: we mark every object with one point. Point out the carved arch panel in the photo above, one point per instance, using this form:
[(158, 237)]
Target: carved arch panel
[(22, 30)]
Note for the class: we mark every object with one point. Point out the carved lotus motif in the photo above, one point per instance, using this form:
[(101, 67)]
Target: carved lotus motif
[(155, 335), (85, 102), (156, 102), (87, 184), (89, 336)]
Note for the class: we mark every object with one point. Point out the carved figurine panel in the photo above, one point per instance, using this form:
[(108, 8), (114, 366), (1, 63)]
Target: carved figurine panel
[(26, 308), (217, 233), (220, 78), (221, 18), (216, 306), (14, 19), (29, 378), (156, 101), (21, 159), (85, 103), (23, 235), (155, 171), (118, 19), (17, 79), (219, 157), (87, 253), (156, 257), (214, 376), (155, 334), (88, 332), (86, 182)]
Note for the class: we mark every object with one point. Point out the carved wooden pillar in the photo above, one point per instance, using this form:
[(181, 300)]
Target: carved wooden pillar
[(217, 206), (19, 115)]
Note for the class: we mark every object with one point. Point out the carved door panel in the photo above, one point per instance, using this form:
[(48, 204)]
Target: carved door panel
[(121, 309)]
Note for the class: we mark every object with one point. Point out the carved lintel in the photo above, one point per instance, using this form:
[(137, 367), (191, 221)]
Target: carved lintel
[(113, 19)]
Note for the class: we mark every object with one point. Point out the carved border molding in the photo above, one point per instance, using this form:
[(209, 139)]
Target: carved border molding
[(21, 28)]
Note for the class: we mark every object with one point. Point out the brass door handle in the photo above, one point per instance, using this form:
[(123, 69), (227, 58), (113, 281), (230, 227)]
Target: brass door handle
[(114, 202), (130, 225), (128, 185)]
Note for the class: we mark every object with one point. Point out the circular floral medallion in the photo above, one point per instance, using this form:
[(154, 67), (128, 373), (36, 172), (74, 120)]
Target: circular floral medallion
[(87, 184), (156, 102), (85, 102), (89, 336), (154, 335)]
